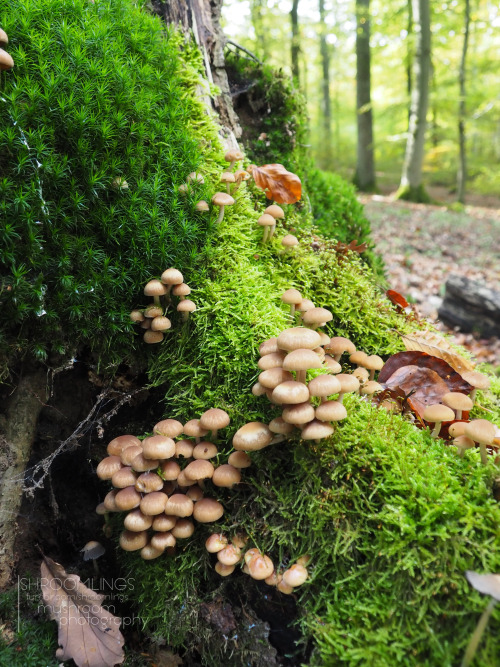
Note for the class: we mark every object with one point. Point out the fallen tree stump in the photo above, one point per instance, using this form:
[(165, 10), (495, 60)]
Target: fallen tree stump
[(471, 306)]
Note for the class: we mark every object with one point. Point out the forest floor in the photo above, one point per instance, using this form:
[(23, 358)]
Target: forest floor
[(422, 244)]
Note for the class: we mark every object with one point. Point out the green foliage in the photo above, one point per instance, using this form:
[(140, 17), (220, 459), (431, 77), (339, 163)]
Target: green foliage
[(98, 92)]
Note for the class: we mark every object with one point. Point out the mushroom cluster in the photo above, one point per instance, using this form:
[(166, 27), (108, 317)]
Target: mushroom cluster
[(161, 481), (231, 552), (153, 318), (6, 60), (231, 181)]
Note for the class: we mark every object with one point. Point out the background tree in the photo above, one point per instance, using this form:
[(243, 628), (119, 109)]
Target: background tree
[(411, 180), (295, 44), (364, 176), (462, 158), (326, 107)]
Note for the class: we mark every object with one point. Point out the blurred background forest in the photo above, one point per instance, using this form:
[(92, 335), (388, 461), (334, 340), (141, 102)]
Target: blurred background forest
[(463, 84)]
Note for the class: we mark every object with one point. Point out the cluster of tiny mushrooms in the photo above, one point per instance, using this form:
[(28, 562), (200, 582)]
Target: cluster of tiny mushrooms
[(6, 60), (153, 318), (232, 181), (162, 482)]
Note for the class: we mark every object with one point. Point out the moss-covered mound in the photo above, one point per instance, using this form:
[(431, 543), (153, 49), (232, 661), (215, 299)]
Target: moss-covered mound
[(98, 128)]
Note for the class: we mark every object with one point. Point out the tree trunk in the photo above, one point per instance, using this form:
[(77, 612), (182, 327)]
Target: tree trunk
[(326, 148), (295, 47), (261, 38), (411, 187), (201, 18), (409, 55), (364, 177), (462, 159), (16, 441)]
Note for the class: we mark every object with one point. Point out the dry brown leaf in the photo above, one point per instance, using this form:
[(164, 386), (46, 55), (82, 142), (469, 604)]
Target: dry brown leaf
[(88, 634), (437, 346), (281, 185)]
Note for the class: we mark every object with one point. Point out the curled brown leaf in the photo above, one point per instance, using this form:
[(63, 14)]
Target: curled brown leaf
[(283, 186)]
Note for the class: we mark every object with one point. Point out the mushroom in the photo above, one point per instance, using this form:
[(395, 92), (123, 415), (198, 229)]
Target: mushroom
[(295, 575), (324, 386), (155, 288), (202, 206), (252, 436), (462, 442), (158, 447), (330, 411), (199, 469), (300, 413), (182, 291), (260, 567), (373, 363), (291, 297), (137, 316), (298, 337), (227, 177), (6, 61), (288, 242), (194, 429), (117, 445), (171, 277), (215, 543), (171, 428), (185, 307), (338, 345), (477, 380), (316, 430), (160, 323), (481, 431), (240, 459), (458, 402), (133, 541), (488, 584), (240, 175), (183, 529), (214, 419), (268, 222), (316, 317), (348, 384), (233, 156), (205, 450), (153, 337), (207, 510), (92, 551), (4, 40), (108, 466), (268, 346), (224, 570), (226, 475), (222, 199), (125, 477), (271, 360), (437, 414), (290, 393)]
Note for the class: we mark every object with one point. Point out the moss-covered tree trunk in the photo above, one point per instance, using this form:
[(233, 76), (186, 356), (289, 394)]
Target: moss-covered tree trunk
[(16, 440), (201, 18)]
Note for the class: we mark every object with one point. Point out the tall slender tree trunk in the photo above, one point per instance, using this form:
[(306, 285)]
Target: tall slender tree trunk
[(409, 55), (364, 177), (295, 46), (257, 18), (411, 186), (326, 107), (462, 158)]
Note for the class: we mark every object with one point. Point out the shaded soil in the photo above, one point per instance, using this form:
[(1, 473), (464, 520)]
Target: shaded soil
[(423, 244)]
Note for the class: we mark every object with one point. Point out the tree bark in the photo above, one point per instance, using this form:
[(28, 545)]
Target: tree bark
[(16, 441), (411, 187), (462, 158), (326, 107), (201, 19), (295, 47), (364, 177)]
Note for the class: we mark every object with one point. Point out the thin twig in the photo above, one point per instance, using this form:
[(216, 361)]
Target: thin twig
[(242, 48)]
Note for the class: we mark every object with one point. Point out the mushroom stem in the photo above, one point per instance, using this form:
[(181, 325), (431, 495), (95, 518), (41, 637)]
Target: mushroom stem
[(340, 399), (221, 215), (484, 453), (185, 316), (214, 434), (265, 235), (277, 438), (436, 429), (372, 374), (156, 300), (228, 188), (271, 231), (292, 311), (301, 377), (473, 395), (477, 634), (459, 414)]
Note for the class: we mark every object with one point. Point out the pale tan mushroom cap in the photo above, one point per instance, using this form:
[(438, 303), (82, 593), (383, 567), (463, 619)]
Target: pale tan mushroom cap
[(3, 37), (207, 510), (226, 475), (457, 428), (199, 469), (273, 377), (252, 436), (205, 450), (233, 155), (291, 296), (289, 241), (339, 345), (227, 177), (155, 288), (305, 305), (301, 359), (169, 427), (374, 362), (276, 211), (359, 358), (370, 388), (268, 346), (348, 382), (295, 576), (271, 360), (172, 277), (202, 206), (298, 337), (438, 413), (330, 411), (214, 419), (6, 60), (290, 393), (315, 430), (477, 380), (181, 290), (457, 401), (332, 365), (317, 316), (266, 220), (186, 306), (160, 323), (222, 199), (239, 460), (324, 385), (301, 413), (278, 425), (481, 431), (152, 337), (194, 429)]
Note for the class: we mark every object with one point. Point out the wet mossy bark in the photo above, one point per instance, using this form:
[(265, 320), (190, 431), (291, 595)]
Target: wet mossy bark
[(416, 194), (17, 436)]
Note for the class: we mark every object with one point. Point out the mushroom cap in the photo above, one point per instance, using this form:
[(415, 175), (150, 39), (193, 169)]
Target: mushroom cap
[(164, 522), (266, 220), (374, 362), (148, 482), (295, 575), (476, 379), (215, 543), (315, 430), (109, 501), (124, 477), (301, 413), (301, 359), (324, 385), (273, 377), (195, 493), (155, 288), (226, 475), (252, 436), (370, 387), (108, 466), (158, 447), (268, 346), (227, 177), (3, 37), (348, 382), (224, 570), (330, 411), (184, 448), (317, 316), (271, 360), (214, 419), (127, 499), (137, 316), (129, 454), (141, 464), (481, 431), (207, 510), (361, 373), (233, 155), (305, 305), (358, 357), (199, 469), (438, 413), (181, 290), (170, 470), (171, 428), (489, 584), (278, 425), (290, 393), (339, 345), (117, 445), (258, 389), (239, 460), (153, 311), (194, 176), (184, 481), (186, 306), (276, 211), (289, 241), (222, 199), (172, 277), (202, 206), (183, 529), (179, 505), (457, 428), (163, 539), (136, 521), (241, 175), (160, 323), (205, 450), (260, 567), (298, 337), (230, 555), (133, 541), (194, 429), (331, 365), (457, 401), (152, 337), (291, 296), (325, 340), (153, 503), (149, 552), (6, 60), (92, 550)]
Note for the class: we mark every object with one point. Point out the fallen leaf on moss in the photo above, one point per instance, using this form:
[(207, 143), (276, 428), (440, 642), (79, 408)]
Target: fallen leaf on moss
[(281, 185), (436, 346), (423, 378), (88, 633)]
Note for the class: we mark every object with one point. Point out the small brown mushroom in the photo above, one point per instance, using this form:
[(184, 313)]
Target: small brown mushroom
[(222, 199), (437, 414)]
